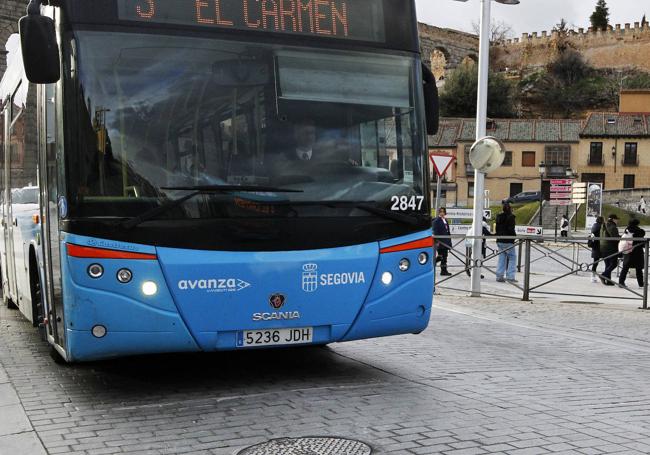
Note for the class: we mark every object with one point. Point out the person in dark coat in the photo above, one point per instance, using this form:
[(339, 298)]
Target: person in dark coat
[(609, 248), (441, 227), (505, 227), (634, 259), (595, 247)]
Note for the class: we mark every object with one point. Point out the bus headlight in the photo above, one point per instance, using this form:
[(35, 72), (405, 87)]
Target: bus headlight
[(95, 271), (387, 278), (423, 258), (149, 288), (124, 275)]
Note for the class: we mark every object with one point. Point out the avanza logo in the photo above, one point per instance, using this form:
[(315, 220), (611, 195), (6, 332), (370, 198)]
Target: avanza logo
[(214, 285), (311, 279)]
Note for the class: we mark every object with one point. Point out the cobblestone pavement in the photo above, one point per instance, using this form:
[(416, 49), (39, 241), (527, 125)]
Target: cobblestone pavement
[(486, 377)]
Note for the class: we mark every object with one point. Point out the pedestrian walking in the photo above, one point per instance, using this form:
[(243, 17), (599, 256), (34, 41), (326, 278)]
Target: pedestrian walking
[(609, 248), (633, 255), (505, 227), (564, 226), (642, 206), (594, 244), (442, 246)]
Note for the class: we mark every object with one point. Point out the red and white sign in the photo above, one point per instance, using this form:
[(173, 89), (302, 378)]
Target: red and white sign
[(561, 189), (560, 201), (560, 195), (441, 163), (561, 182)]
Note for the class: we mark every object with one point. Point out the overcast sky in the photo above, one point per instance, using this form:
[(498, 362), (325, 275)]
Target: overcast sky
[(530, 15)]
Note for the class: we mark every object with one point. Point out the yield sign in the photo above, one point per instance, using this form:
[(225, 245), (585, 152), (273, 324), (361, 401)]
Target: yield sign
[(441, 163)]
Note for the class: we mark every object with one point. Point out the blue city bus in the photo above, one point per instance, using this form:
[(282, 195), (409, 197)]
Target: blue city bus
[(217, 174)]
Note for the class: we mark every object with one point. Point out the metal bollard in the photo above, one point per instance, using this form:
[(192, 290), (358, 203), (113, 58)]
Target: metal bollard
[(521, 246), (526, 296), (645, 276)]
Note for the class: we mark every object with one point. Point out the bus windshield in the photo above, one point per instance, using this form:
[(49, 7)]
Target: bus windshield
[(158, 115)]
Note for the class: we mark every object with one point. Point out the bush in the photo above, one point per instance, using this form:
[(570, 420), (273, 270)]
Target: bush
[(458, 97)]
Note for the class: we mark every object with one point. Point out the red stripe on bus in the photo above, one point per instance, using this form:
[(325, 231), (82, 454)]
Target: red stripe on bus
[(426, 242), (79, 251)]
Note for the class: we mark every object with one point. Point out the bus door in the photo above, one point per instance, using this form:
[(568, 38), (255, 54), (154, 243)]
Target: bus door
[(48, 159), (4, 127), (14, 120)]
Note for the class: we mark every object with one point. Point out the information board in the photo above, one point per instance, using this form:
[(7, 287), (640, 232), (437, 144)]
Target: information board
[(361, 20)]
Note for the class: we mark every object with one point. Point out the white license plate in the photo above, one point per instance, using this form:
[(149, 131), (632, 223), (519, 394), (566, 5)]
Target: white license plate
[(274, 337)]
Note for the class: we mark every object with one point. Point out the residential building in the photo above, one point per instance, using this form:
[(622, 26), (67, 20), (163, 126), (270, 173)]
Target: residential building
[(615, 148)]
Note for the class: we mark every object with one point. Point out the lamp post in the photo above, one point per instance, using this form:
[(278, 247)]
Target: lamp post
[(481, 132), (542, 172)]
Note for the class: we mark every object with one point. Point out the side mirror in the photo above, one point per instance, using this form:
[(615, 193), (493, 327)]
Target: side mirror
[(39, 48), (431, 103)]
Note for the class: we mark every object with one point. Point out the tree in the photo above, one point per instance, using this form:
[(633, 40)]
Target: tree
[(644, 21), (499, 31), (600, 17), (458, 97), (562, 39)]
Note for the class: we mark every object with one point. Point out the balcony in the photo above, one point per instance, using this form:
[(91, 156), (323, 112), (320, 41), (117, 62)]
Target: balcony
[(556, 171), (596, 161), (630, 160)]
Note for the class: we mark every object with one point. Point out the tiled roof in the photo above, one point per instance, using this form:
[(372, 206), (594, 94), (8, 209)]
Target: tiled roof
[(608, 124), (453, 131)]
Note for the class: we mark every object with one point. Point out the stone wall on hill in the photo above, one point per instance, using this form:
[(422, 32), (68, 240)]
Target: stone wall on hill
[(621, 46), (444, 49)]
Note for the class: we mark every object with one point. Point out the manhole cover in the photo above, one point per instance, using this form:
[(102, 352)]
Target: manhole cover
[(309, 446)]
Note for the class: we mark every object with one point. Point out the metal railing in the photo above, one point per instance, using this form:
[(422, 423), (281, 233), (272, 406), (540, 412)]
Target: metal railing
[(564, 256)]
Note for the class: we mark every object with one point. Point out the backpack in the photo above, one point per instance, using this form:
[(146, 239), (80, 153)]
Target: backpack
[(625, 245)]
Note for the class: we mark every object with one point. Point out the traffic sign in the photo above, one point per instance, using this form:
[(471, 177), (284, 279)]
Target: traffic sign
[(441, 163), (460, 229), (580, 185), (529, 230), (578, 200), (561, 189), (460, 214), (560, 202), (561, 182), (560, 195), (487, 214)]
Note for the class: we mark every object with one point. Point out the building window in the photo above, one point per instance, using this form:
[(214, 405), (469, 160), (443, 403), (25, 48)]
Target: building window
[(470, 190), (557, 155), (628, 181), (469, 169), (508, 159), (516, 188), (528, 159), (596, 154), (630, 157), (594, 178)]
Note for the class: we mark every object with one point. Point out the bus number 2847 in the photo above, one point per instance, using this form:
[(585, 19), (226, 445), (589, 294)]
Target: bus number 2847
[(404, 203)]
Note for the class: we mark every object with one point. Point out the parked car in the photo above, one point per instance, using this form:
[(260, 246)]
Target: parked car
[(525, 196)]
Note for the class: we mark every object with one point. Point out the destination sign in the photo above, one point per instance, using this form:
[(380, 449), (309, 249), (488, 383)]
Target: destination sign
[(344, 19)]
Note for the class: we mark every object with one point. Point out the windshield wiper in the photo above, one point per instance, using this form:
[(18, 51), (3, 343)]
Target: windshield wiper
[(361, 205), (195, 191)]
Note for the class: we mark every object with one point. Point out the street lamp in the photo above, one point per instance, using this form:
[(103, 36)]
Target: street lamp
[(542, 173), (481, 132)]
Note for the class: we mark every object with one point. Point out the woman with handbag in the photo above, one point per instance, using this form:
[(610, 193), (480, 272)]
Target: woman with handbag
[(633, 256)]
